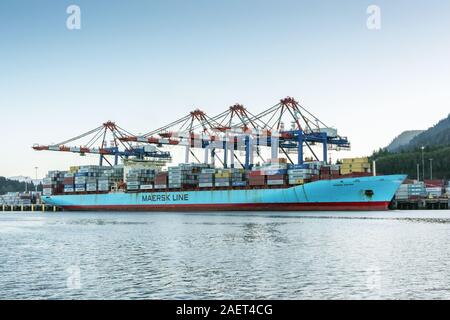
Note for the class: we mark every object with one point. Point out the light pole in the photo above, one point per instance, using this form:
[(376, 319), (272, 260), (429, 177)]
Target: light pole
[(431, 169), (35, 186), (418, 170), (423, 165)]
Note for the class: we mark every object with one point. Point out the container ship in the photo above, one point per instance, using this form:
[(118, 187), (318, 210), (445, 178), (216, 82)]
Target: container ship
[(193, 187), (145, 180)]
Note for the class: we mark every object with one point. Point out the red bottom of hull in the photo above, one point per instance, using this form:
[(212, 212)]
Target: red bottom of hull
[(325, 206)]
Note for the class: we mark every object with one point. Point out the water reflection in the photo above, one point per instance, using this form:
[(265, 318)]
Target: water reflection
[(232, 256)]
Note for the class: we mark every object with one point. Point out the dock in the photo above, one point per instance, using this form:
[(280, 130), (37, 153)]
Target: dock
[(29, 208), (421, 204)]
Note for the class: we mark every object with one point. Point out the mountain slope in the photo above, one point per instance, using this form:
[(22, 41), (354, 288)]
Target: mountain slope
[(404, 159), (438, 135), (406, 162), (403, 139)]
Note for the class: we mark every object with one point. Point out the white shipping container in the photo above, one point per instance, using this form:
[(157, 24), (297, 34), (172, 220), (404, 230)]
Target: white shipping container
[(208, 171), (146, 187), (222, 184), (160, 186), (275, 182), (206, 185), (300, 171)]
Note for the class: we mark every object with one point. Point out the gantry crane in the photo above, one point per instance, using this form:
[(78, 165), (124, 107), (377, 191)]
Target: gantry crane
[(96, 140), (238, 129)]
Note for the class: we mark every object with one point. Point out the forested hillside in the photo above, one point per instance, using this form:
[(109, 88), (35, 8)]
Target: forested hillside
[(438, 135), (7, 185), (436, 142)]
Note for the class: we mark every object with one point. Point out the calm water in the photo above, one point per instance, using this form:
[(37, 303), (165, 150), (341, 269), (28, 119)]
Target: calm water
[(232, 256)]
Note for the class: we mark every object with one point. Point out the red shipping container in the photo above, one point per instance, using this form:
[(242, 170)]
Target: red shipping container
[(256, 173), (434, 183), (256, 183), (162, 174)]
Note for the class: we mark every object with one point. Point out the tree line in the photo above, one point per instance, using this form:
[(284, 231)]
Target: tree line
[(7, 185), (406, 162)]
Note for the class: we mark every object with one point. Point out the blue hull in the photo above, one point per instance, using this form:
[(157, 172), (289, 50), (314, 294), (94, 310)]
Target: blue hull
[(364, 193)]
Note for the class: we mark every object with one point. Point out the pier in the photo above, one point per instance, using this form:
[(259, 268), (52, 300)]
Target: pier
[(421, 204), (29, 208)]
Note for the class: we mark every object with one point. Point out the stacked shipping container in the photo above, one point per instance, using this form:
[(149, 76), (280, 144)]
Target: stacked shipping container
[(140, 179)]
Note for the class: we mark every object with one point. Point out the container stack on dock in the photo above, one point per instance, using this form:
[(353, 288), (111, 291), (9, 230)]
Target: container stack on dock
[(435, 188), (413, 190), (19, 199)]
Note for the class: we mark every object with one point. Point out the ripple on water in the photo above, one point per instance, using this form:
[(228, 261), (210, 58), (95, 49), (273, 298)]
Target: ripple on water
[(229, 256)]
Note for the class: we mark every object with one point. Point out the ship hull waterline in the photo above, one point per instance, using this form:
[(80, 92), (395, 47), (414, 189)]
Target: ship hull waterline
[(349, 194)]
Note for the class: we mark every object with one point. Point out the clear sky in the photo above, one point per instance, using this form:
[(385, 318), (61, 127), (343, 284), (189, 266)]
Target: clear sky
[(145, 63)]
